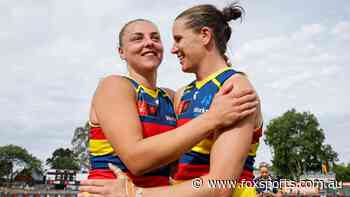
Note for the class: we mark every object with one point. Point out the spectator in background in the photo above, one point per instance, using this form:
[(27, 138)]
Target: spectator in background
[(265, 184)]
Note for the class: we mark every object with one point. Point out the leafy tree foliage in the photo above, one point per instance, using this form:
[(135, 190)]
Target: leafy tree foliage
[(13, 159), (63, 158), (298, 144), (342, 172), (80, 145)]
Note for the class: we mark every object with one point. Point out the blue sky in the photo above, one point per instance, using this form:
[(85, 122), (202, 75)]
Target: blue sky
[(53, 53)]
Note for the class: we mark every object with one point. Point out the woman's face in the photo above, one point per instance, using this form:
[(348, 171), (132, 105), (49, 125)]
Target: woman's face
[(187, 46), (142, 47)]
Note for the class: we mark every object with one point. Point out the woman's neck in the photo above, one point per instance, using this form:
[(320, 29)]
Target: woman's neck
[(209, 65), (149, 79)]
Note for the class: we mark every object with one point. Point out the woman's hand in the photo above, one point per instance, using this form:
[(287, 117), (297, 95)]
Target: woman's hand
[(120, 187), (228, 106)]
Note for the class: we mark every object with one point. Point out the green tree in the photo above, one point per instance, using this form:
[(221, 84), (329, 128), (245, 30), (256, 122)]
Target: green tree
[(5, 168), (297, 144), (13, 159), (342, 172), (63, 158), (80, 145)]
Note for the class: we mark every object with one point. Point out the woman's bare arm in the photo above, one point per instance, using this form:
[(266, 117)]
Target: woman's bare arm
[(114, 103), (227, 158)]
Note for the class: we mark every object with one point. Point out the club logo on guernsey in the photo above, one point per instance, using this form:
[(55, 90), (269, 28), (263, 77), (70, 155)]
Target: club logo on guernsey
[(183, 107), (147, 109), (205, 103)]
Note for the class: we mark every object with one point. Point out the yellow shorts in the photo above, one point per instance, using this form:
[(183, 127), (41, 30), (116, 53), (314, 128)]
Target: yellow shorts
[(244, 191)]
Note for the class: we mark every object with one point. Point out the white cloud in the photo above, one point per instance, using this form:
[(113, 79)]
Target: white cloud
[(342, 30), (308, 31), (330, 70), (288, 81)]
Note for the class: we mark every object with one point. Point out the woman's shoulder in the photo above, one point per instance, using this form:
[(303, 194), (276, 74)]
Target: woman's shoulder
[(117, 81), (240, 80), (114, 84), (114, 78)]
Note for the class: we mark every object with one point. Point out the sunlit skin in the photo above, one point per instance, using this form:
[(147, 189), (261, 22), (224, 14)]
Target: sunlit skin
[(195, 50), (186, 47), (142, 49)]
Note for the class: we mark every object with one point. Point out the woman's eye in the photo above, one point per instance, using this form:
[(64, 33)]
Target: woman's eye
[(177, 39), (156, 38), (137, 38)]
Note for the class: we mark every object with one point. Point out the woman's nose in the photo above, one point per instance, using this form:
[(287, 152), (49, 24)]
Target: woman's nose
[(149, 42), (174, 49)]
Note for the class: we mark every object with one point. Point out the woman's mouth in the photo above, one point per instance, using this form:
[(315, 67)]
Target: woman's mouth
[(149, 53)]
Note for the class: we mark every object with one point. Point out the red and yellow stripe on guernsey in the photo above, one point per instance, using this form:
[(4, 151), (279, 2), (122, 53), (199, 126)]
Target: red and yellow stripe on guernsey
[(204, 146), (154, 121), (247, 173), (141, 181), (188, 171), (98, 144), (195, 163), (101, 174), (149, 181), (151, 129)]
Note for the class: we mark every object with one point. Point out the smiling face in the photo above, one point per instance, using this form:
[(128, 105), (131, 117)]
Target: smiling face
[(141, 46), (188, 46)]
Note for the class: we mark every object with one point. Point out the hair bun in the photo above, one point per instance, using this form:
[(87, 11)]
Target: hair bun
[(232, 12)]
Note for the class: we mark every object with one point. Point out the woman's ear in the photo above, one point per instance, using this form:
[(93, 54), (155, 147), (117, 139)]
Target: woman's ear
[(121, 53), (206, 35)]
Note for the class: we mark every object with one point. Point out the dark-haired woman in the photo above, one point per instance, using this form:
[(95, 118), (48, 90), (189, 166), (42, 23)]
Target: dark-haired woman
[(201, 34)]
